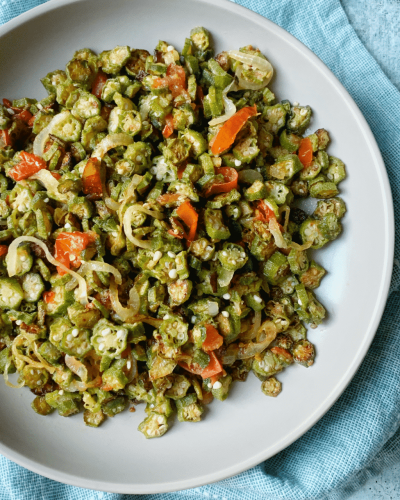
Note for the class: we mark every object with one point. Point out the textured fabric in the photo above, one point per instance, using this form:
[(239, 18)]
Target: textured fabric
[(360, 434)]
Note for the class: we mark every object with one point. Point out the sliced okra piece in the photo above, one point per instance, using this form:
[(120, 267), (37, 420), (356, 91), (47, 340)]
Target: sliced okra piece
[(114, 378), (67, 128), (42, 119), (289, 141), (201, 42), (161, 405), (34, 378), (213, 103), (271, 387), (323, 160), (87, 106), (310, 232), (311, 171), (184, 117), (303, 353), (220, 78), (179, 291), (276, 268), (278, 192), (81, 207), (82, 68), (192, 86), (189, 410), (233, 211), (221, 388), (108, 339), (275, 117), (257, 191), (40, 406), (24, 260), (298, 261), (299, 119), (202, 249), (11, 293), (299, 188), (330, 226), (156, 296), (254, 301), (285, 168), (174, 331), (63, 376), (82, 317), (336, 172), (311, 278), (155, 425), (51, 80), (267, 365), (115, 406), (93, 419), (246, 150), (229, 324), (215, 226), (314, 141), (76, 342), (50, 353), (66, 403), (197, 141), (5, 120), (232, 257), (112, 61), (320, 188), (6, 358), (57, 329), (160, 367), (323, 138), (62, 299), (334, 205), (179, 387), (302, 296), (128, 122)]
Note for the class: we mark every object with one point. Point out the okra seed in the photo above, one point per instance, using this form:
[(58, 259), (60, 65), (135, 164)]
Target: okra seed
[(226, 296), (61, 392), (32, 372), (153, 170), (225, 314), (170, 48), (65, 376), (208, 248), (101, 347), (166, 317), (193, 319), (217, 385), (18, 322), (46, 200), (21, 208), (79, 350), (171, 254), (23, 258), (72, 257), (120, 334), (224, 254), (257, 298), (106, 331), (237, 163), (67, 225), (11, 111), (75, 332), (180, 336), (172, 274), (157, 256), (39, 382), (233, 262), (69, 337), (138, 158), (303, 112), (129, 365)]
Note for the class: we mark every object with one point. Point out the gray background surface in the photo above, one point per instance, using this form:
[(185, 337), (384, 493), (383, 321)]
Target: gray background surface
[(377, 23)]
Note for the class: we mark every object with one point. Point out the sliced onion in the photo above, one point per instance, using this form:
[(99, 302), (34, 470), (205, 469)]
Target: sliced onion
[(109, 142), (128, 228), (230, 108), (300, 248), (248, 350), (102, 267), (129, 194), (249, 176), (286, 210), (276, 233), (252, 60), (134, 300), (76, 386), (230, 355), (41, 139), (77, 367), (110, 203), (125, 313), (251, 334), (12, 264), (133, 370), (47, 365), (51, 184), (5, 375), (156, 322)]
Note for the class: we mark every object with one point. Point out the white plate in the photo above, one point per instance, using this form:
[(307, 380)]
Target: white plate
[(248, 427)]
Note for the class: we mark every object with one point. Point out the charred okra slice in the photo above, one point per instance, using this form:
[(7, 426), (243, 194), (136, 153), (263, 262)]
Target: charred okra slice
[(303, 353), (257, 191), (82, 68), (93, 419), (232, 257), (66, 403), (155, 425), (11, 293), (76, 342), (174, 331), (82, 317), (310, 232), (311, 171), (289, 141), (276, 268), (299, 119), (271, 387), (179, 291), (330, 226), (197, 141), (189, 410), (311, 278), (34, 378), (215, 226), (285, 168), (320, 188), (229, 324), (40, 406), (112, 61), (220, 389), (278, 192)]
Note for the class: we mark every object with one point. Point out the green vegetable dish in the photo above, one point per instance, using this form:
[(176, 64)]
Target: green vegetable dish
[(152, 245)]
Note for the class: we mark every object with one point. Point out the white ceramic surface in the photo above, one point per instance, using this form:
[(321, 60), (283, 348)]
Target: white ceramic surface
[(248, 427)]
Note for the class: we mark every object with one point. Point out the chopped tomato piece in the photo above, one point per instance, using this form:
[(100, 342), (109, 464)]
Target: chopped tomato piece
[(196, 369), (213, 339), (175, 79), (56, 175), (169, 126), (91, 179), (282, 352), (68, 248), (99, 83), (32, 121), (264, 213), (230, 181), (181, 169), (4, 139), (25, 116), (167, 198), (229, 130), (306, 152), (7, 103), (214, 366), (29, 165), (49, 297), (3, 250), (190, 217)]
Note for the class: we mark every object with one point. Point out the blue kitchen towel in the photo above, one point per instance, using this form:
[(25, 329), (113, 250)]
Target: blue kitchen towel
[(360, 434)]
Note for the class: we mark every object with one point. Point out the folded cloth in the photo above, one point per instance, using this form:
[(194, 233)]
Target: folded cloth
[(360, 433)]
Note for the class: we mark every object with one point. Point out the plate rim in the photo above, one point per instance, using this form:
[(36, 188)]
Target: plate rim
[(346, 378)]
